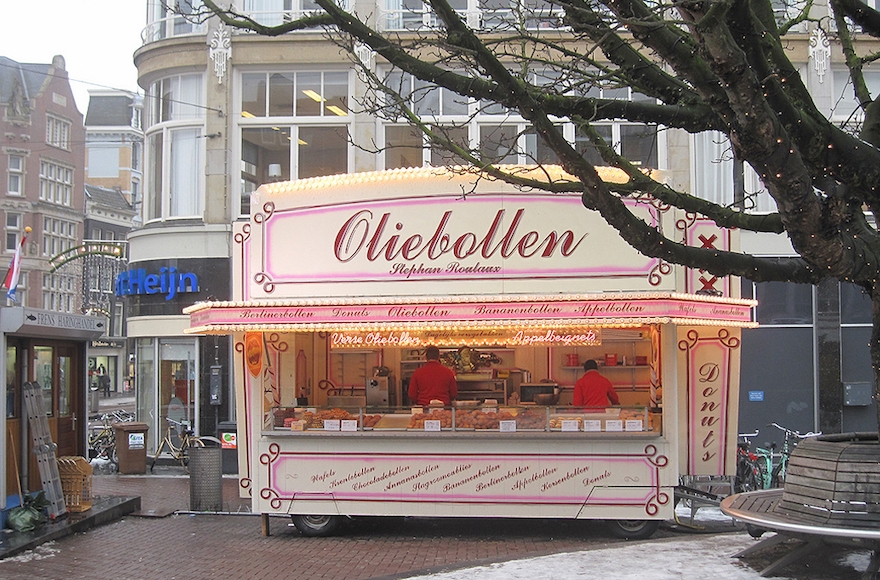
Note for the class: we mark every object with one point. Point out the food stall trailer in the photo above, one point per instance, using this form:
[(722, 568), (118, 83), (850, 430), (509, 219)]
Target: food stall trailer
[(341, 282)]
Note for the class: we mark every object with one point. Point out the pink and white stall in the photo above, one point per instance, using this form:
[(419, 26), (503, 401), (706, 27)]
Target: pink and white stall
[(340, 284)]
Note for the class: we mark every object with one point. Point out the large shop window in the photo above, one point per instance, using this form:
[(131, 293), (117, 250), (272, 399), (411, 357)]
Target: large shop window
[(275, 153), (499, 134), (145, 392), (294, 94), (167, 371), (309, 132), (175, 148)]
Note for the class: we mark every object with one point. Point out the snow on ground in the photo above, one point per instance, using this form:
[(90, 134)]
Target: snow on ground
[(692, 556), (700, 557)]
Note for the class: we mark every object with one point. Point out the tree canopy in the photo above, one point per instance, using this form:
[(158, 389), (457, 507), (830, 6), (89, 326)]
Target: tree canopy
[(721, 65)]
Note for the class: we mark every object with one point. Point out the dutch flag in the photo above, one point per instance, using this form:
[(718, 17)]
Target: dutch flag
[(11, 282)]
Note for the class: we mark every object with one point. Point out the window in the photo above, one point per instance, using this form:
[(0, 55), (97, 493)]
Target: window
[(175, 148), (57, 132), (56, 183), (276, 12), (58, 292), (15, 182), (177, 98), (309, 133), (295, 94), (713, 170), (13, 231), (269, 153), (481, 14), (168, 18), (501, 135), (846, 108), (137, 152), (781, 303), (58, 236)]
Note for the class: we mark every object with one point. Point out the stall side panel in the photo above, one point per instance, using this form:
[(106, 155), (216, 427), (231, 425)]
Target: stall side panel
[(708, 359), (304, 475)]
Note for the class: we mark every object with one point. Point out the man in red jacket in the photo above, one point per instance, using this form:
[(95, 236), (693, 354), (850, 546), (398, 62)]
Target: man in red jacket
[(432, 381), (594, 390)]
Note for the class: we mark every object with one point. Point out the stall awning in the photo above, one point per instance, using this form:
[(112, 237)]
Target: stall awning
[(470, 312)]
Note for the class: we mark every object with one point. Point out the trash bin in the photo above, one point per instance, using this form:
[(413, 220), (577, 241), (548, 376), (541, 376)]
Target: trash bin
[(227, 433), (205, 479), (131, 446), (94, 406)]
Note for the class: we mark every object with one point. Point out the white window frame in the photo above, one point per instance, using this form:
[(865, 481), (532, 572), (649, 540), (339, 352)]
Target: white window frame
[(178, 116), (15, 174), (712, 174), (481, 114), (293, 122), (15, 228), (59, 292), (418, 16), (58, 131), (56, 182)]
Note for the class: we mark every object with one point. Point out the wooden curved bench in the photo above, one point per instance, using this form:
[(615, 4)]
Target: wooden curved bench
[(831, 496)]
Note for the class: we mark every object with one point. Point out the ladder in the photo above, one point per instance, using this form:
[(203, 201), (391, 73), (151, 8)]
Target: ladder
[(44, 448)]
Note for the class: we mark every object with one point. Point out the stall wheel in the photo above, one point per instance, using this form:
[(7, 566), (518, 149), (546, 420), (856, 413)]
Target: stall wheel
[(316, 526)]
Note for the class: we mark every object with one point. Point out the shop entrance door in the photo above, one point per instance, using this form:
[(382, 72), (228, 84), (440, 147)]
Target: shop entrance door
[(70, 392)]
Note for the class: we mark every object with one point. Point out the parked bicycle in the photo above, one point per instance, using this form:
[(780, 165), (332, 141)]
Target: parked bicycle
[(789, 442), (102, 437), (750, 469), (178, 440)]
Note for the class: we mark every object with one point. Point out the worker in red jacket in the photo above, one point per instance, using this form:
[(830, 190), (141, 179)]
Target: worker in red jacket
[(432, 381), (594, 390)]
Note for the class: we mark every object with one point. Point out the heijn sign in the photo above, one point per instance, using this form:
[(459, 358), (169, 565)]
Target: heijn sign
[(167, 281)]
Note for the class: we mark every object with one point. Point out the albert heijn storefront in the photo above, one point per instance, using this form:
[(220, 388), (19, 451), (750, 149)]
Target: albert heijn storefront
[(340, 282), (172, 370)]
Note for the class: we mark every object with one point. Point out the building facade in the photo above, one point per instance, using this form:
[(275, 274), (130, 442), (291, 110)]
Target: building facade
[(114, 177), (226, 111), (43, 332)]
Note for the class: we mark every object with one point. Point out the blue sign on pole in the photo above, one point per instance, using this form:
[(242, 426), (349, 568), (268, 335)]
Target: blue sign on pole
[(756, 395)]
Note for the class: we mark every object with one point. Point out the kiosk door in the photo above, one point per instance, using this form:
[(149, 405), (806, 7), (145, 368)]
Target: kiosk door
[(70, 405)]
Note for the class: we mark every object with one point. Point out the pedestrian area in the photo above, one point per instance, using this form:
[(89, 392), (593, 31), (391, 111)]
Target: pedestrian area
[(163, 493)]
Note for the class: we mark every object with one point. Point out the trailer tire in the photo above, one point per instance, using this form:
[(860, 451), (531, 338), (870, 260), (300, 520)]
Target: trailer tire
[(316, 526), (633, 529)]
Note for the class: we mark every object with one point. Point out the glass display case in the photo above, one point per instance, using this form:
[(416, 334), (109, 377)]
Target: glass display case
[(498, 418)]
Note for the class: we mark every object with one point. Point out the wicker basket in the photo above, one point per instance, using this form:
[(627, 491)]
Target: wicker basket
[(76, 483)]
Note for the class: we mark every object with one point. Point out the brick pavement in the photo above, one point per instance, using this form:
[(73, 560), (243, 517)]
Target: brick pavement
[(210, 547), (231, 546), (164, 542)]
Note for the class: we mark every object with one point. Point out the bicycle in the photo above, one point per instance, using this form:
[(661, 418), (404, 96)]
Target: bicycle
[(102, 442), (789, 442), (749, 470), (186, 438)]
